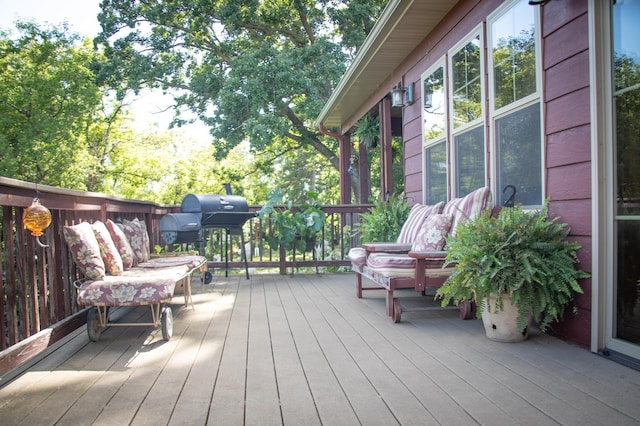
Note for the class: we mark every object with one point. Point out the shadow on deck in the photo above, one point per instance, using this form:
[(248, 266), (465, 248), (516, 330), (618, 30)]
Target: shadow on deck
[(304, 350)]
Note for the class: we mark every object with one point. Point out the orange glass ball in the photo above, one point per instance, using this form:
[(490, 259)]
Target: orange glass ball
[(36, 218)]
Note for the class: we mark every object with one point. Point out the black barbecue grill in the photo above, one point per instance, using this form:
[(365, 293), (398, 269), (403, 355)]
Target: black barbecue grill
[(218, 211), (201, 211)]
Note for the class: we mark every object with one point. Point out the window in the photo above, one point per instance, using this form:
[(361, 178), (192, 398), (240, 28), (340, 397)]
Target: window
[(468, 130), (434, 135), (455, 122), (436, 166), (516, 111)]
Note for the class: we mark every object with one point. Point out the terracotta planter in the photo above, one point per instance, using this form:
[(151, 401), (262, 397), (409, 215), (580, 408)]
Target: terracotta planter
[(503, 325)]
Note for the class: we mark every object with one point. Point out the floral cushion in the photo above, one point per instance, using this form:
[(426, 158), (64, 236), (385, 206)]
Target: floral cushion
[(190, 261), (138, 238), (127, 255), (433, 233), (108, 250), (418, 214), (85, 250), (467, 207), (146, 242), (134, 287)]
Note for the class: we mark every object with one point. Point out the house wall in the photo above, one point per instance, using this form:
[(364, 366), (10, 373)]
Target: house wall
[(565, 63)]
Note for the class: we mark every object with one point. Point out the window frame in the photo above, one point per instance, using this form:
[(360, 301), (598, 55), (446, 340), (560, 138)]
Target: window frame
[(481, 121), (495, 114), (433, 142)]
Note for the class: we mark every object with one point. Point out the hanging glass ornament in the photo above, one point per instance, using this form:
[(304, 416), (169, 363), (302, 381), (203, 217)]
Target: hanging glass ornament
[(36, 218)]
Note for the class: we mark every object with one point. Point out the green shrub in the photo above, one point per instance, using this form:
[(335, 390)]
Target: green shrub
[(383, 222)]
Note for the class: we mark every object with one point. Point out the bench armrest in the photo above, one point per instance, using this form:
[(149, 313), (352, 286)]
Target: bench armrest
[(386, 247), (428, 254)]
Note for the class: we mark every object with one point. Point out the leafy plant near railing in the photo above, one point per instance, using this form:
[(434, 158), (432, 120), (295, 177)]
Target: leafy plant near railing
[(520, 253), (383, 222), (292, 227)]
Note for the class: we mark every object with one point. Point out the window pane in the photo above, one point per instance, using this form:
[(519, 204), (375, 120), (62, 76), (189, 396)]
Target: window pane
[(467, 90), (434, 105), (519, 163), (470, 169), (626, 69), (514, 59), (627, 297), (627, 106), (436, 172)]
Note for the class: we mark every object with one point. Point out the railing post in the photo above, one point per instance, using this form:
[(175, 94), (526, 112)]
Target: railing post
[(282, 254)]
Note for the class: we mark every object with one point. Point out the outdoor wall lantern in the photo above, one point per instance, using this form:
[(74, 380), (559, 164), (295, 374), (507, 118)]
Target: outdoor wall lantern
[(399, 94)]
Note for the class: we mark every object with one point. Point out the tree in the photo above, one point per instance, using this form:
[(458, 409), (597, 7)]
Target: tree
[(252, 70), (48, 101)]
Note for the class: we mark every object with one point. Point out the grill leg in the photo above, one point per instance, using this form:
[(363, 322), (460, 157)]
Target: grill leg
[(226, 252), (244, 254)]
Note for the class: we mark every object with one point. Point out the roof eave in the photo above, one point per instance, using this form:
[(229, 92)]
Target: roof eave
[(398, 31)]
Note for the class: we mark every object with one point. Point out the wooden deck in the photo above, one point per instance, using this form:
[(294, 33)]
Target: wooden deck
[(303, 350)]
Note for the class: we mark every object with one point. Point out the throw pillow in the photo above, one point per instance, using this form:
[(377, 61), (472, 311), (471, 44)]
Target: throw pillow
[(433, 233)]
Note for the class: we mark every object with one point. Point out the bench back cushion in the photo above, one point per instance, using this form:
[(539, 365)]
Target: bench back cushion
[(136, 232), (418, 214), (467, 207), (127, 255), (108, 250), (85, 250)]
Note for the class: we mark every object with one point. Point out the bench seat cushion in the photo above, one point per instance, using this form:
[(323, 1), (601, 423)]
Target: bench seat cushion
[(136, 286), (391, 265), (190, 261), (358, 256)]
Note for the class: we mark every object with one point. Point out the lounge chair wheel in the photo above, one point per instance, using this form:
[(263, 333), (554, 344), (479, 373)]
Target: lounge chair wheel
[(465, 309), (397, 311), (208, 277), (167, 323), (93, 325)]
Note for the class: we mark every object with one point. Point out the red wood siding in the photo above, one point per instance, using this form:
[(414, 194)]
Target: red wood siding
[(569, 146), (568, 140), (557, 82)]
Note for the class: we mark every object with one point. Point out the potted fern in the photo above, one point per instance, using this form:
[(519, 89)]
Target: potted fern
[(518, 264)]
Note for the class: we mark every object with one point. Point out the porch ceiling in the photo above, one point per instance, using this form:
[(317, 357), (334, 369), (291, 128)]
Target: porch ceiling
[(402, 26)]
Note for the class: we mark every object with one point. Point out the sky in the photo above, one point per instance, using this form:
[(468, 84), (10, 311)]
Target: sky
[(81, 16)]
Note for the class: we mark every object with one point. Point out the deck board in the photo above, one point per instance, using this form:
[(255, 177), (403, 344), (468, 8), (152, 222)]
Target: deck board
[(303, 349)]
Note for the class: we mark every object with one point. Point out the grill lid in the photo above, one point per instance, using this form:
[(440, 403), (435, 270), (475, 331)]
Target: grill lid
[(212, 203), (178, 228)]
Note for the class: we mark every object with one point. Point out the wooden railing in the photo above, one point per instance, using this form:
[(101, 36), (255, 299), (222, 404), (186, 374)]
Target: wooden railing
[(38, 300)]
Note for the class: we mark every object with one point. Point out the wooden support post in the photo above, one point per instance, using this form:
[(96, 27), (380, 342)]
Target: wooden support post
[(386, 160)]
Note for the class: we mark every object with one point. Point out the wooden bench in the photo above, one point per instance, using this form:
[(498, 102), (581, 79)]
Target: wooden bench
[(416, 260)]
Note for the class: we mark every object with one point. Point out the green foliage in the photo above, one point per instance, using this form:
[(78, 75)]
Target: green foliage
[(368, 130), (519, 253), (48, 103), (292, 226), (384, 221), (252, 71)]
